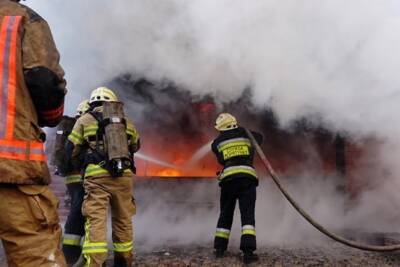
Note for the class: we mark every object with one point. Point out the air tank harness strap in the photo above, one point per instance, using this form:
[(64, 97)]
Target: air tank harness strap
[(98, 156), (104, 122)]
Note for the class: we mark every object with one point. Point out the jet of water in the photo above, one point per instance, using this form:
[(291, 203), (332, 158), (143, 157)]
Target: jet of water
[(198, 155), (154, 160)]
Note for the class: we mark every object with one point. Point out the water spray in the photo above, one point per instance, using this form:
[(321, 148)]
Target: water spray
[(156, 161), (200, 153)]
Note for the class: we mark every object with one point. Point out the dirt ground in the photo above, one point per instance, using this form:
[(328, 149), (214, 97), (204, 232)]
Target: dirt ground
[(332, 255)]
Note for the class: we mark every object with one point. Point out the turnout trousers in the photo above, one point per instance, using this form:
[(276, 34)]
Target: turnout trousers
[(29, 226), (100, 193), (74, 226), (244, 190)]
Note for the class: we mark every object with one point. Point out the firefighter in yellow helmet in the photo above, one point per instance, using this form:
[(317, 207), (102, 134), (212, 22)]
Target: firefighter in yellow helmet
[(238, 181), (32, 90), (74, 225), (107, 181)]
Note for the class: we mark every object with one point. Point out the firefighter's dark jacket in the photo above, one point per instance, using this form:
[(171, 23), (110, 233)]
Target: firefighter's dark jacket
[(235, 153)]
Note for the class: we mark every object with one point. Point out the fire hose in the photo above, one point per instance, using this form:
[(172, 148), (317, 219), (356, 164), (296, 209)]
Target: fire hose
[(306, 216)]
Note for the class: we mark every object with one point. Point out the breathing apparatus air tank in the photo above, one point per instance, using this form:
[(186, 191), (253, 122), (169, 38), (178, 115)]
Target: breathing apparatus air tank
[(115, 138)]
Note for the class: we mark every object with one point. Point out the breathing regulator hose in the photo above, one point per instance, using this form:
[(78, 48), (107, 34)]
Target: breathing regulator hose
[(306, 216)]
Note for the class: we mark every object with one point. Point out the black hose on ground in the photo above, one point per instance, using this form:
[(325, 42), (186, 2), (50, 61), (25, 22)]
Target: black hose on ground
[(306, 216)]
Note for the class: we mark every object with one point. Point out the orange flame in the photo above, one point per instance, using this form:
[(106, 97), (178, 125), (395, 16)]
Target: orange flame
[(177, 152), (168, 172)]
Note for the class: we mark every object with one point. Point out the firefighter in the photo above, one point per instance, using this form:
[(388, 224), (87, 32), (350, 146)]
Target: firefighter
[(32, 90), (74, 226), (238, 181), (104, 185)]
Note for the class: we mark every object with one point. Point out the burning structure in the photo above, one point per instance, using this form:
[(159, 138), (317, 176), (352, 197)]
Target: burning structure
[(180, 127)]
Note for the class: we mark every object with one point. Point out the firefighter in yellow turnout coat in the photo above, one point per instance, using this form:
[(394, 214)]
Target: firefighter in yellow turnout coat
[(32, 90), (101, 189)]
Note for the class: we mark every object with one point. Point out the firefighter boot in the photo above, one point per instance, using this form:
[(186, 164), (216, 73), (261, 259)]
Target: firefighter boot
[(249, 257), (71, 253), (219, 253), (121, 262)]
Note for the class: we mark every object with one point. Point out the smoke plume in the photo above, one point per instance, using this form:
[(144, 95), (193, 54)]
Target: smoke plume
[(333, 62)]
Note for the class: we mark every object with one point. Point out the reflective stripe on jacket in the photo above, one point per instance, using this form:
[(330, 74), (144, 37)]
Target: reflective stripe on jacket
[(95, 170), (241, 169), (234, 147), (22, 157), (235, 152)]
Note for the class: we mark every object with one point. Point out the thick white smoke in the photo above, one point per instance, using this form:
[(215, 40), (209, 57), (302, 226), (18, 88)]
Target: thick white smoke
[(332, 60), (334, 57)]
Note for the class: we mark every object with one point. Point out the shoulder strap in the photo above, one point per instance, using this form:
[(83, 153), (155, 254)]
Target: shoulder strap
[(97, 115)]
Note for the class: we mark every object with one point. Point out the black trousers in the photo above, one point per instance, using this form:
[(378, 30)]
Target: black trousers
[(74, 227), (244, 190)]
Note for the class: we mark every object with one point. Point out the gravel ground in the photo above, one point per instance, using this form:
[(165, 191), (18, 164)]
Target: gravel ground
[(332, 255)]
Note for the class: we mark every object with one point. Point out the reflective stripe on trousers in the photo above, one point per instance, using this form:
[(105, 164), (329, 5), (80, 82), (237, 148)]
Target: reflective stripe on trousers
[(123, 247), (96, 247), (92, 247), (11, 148), (72, 240), (248, 230), (74, 178), (223, 233)]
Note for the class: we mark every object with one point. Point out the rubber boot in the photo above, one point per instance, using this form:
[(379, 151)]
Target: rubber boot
[(120, 262), (71, 253), (219, 253), (249, 257)]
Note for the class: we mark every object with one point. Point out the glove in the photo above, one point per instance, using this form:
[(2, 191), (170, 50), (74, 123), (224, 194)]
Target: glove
[(47, 95)]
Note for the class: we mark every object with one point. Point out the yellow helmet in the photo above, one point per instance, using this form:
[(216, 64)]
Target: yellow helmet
[(225, 121), (82, 108), (102, 94)]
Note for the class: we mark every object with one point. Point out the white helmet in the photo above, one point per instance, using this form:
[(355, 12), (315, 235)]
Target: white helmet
[(102, 94), (225, 121), (82, 108)]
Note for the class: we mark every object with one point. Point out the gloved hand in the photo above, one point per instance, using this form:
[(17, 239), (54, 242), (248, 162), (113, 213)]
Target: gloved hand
[(47, 95)]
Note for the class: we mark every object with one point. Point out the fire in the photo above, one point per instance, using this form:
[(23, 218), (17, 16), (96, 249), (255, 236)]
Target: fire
[(168, 172), (181, 161)]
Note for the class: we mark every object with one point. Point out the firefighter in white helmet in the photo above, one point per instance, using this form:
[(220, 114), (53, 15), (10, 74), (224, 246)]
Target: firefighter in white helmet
[(82, 108), (238, 181), (74, 226), (101, 186)]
